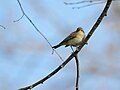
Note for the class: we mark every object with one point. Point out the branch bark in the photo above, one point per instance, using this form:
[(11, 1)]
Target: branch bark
[(104, 13), (78, 71)]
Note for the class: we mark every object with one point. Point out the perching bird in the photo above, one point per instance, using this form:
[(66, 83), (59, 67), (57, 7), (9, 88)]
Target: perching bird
[(74, 39)]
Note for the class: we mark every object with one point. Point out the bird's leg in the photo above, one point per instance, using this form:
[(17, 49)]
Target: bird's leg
[(72, 48), (77, 48), (53, 51)]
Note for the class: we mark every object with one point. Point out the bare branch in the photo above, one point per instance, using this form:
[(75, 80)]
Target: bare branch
[(2, 27), (81, 2), (77, 50), (19, 18), (104, 13), (24, 14), (86, 3), (78, 71), (54, 72), (91, 4)]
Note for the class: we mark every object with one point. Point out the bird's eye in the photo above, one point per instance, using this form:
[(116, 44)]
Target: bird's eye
[(82, 31)]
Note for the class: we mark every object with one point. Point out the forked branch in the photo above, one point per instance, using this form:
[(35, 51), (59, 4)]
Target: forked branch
[(104, 13)]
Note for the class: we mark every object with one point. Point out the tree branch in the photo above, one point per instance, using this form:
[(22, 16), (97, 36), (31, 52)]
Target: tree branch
[(2, 27), (91, 4), (78, 71), (24, 14), (104, 13), (85, 3)]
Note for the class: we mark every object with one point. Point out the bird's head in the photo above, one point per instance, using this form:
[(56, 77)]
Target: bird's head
[(79, 29)]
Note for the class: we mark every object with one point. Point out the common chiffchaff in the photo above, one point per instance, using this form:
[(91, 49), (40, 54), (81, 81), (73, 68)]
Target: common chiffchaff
[(74, 39)]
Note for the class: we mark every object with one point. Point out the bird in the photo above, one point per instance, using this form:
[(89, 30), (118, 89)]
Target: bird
[(74, 39)]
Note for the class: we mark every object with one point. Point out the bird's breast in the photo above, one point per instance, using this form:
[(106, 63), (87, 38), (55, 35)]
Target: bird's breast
[(75, 41)]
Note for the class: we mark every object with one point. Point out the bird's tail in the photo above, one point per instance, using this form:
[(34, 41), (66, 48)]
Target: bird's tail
[(56, 46)]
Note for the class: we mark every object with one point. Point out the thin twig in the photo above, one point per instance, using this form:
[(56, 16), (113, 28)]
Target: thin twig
[(19, 18), (24, 14), (78, 71), (77, 50), (81, 2), (86, 3), (91, 4), (2, 27)]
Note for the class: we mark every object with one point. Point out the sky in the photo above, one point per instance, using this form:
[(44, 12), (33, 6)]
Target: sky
[(26, 57)]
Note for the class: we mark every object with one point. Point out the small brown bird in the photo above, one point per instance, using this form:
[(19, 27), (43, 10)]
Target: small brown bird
[(74, 39)]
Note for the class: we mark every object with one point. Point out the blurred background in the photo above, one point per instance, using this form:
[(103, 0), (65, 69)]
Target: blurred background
[(26, 57)]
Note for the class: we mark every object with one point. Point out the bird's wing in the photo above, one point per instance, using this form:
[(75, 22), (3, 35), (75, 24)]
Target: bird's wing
[(71, 36)]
